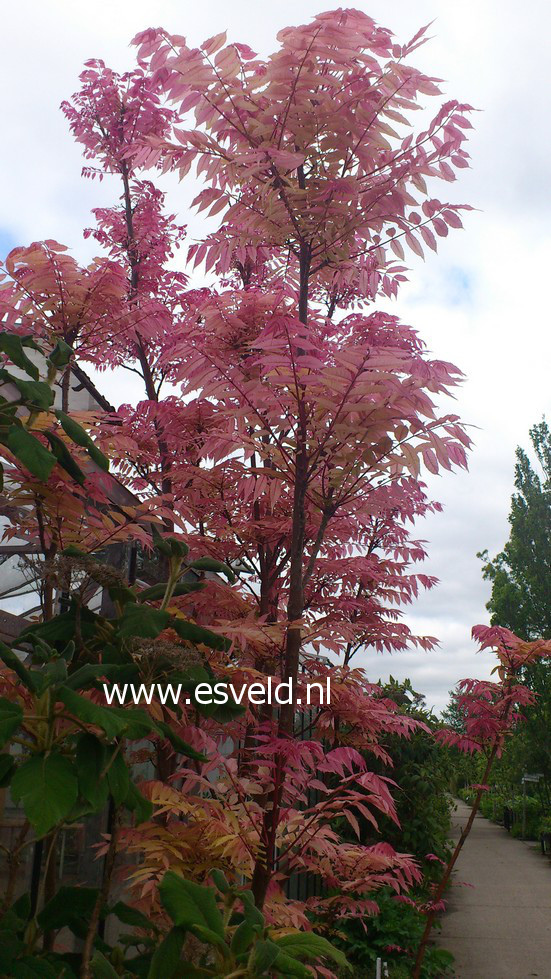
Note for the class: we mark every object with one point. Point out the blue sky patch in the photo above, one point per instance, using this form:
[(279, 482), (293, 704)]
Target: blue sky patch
[(7, 242), (458, 286)]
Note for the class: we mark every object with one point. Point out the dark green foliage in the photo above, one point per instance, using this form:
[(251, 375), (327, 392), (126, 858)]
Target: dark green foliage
[(71, 754), (232, 933), (393, 935), (525, 813), (68, 771), (421, 767), (464, 769)]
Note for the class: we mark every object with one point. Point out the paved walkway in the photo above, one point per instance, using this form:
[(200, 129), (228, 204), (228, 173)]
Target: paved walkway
[(501, 927)]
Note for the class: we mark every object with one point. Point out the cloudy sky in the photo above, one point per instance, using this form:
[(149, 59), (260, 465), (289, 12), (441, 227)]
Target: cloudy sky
[(481, 303)]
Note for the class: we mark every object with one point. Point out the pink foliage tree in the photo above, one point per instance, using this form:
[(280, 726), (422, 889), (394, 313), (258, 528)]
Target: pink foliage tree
[(322, 411), (285, 422)]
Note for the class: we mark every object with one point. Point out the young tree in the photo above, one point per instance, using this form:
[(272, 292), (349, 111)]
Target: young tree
[(319, 420)]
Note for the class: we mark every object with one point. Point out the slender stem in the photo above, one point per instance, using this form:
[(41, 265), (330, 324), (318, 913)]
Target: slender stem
[(101, 899), (35, 875), (295, 606), (50, 880), (175, 566), (14, 859)]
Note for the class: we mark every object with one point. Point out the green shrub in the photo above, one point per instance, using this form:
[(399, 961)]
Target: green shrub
[(393, 935), (487, 806)]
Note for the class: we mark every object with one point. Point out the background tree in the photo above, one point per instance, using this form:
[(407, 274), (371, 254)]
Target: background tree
[(520, 576)]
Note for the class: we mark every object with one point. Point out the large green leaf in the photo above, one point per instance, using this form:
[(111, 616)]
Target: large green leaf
[(307, 945), (11, 945), (131, 916), (169, 546), (166, 962), (62, 628), (101, 968), (68, 653), (138, 804), (90, 673), (7, 765), (28, 450), (98, 457), (178, 743), (118, 778), (197, 634), (103, 717), (140, 620), (52, 674), (33, 968), (12, 660), (12, 345), (291, 968), (156, 592), (91, 759), (243, 937), (223, 712), (121, 593), (21, 908), (264, 955), (137, 723), (211, 564), (159, 543), (250, 911), (65, 458), (190, 905), (11, 717), (36, 393), (69, 907), (61, 354), (67, 965), (80, 437), (189, 679), (219, 878), (48, 788), (72, 428)]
